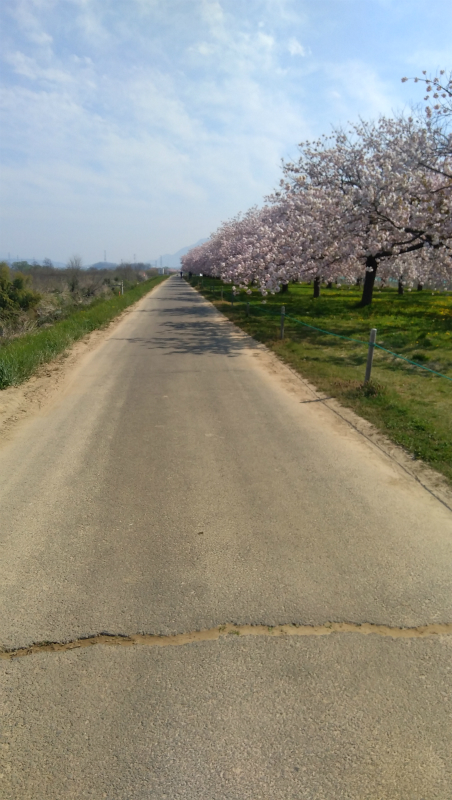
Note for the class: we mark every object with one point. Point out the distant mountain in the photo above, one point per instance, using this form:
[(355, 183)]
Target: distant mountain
[(172, 260)]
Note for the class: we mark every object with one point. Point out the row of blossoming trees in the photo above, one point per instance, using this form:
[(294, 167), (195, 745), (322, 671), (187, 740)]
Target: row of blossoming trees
[(370, 201)]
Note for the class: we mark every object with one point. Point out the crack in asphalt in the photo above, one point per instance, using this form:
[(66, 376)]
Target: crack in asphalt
[(229, 629)]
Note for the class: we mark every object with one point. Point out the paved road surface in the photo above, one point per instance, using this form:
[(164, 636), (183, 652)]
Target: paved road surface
[(180, 483)]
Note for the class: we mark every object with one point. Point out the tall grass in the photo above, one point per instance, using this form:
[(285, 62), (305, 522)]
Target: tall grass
[(20, 358)]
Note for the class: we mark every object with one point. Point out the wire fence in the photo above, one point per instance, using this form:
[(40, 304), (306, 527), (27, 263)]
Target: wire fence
[(371, 344)]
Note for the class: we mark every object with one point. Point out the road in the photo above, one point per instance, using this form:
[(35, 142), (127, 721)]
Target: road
[(180, 482)]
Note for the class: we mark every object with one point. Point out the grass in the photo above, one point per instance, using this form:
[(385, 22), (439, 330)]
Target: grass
[(413, 407), (21, 357)]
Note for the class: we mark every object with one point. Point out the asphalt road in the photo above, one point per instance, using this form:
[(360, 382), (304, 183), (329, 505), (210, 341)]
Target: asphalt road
[(178, 483)]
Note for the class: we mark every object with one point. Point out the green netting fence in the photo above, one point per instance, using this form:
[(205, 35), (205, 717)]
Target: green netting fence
[(371, 344)]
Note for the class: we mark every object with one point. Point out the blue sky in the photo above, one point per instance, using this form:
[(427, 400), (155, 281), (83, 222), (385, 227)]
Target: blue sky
[(137, 126)]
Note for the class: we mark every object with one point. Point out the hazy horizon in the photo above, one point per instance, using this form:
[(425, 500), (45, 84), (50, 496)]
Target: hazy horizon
[(153, 261)]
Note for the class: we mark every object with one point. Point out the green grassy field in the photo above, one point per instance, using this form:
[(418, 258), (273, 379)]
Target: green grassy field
[(21, 357), (410, 405)]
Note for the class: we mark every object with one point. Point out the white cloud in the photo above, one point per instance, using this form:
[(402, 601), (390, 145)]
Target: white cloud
[(295, 48), (25, 13), (204, 49), (28, 68), (265, 40), (354, 82), (212, 12)]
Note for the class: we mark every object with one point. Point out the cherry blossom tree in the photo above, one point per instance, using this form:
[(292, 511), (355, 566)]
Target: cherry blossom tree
[(379, 204), (244, 251), (376, 196)]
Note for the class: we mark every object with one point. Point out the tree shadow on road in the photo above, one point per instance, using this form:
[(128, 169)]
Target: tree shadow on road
[(193, 301), (207, 333), (194, 309), (200, 337)]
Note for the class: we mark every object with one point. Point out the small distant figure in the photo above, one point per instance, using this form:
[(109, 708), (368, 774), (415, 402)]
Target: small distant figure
[(181, 274)]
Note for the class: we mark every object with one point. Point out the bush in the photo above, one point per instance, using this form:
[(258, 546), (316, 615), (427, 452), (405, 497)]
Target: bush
[(15, 295)]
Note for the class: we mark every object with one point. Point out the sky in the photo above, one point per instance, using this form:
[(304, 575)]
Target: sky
[(136, 127)]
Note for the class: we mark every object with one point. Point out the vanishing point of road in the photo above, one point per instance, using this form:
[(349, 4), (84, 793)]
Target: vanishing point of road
[(268, 596)]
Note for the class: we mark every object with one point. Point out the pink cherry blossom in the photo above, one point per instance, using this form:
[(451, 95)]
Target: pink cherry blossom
[(374, 197)]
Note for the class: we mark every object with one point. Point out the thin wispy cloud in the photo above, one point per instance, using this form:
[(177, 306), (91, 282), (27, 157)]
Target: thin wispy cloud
[(295, 48)]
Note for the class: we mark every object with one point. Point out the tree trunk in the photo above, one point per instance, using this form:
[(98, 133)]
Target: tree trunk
[(329, 285), (358, 281), (400, 286), (420, 286), (316, 287), (284, 288), (369, 280)]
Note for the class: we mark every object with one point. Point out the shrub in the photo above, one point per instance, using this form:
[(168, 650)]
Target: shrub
[(16, 294)]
